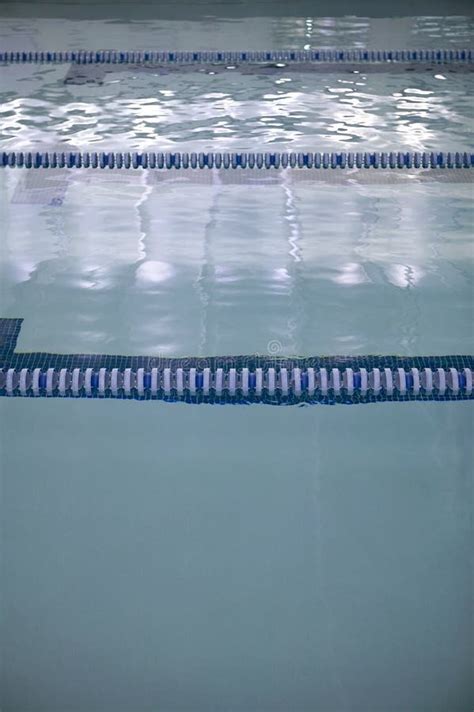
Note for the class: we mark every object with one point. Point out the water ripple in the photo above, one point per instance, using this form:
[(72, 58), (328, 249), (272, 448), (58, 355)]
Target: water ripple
[(230, 111)]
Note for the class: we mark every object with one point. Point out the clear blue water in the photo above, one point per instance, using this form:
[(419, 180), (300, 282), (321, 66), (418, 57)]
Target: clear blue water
[(174, 557)]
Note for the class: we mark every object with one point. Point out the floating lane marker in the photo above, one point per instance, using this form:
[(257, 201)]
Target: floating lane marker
[(344, 386), (314, 56), (232, 379), (260, 161)]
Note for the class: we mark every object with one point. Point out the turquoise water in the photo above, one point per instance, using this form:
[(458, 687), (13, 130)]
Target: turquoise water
[(174, 557), (282, 265)]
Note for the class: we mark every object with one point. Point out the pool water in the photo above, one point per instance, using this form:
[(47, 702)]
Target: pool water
[(220, 108), (275, 264), (196, 557)]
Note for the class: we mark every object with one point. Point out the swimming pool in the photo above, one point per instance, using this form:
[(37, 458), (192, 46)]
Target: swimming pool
[(189, 556)]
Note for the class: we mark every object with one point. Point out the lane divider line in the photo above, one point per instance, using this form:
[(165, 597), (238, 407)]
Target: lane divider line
[(315, 56), (275, 386), (231, 379), (250, 160)]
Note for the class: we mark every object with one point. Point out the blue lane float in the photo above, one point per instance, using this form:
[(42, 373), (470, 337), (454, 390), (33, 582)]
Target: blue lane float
[(315, 56), (251, 160), (232, 379)]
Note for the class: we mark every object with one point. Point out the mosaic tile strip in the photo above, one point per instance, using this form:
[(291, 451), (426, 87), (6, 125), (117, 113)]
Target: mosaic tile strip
[(232, 379)]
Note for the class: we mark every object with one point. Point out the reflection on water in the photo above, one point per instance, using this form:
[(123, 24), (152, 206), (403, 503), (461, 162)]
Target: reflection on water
[(229, 110), (320, 267)]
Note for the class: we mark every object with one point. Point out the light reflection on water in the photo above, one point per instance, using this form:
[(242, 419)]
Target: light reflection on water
[(319, 260), (230, 111)]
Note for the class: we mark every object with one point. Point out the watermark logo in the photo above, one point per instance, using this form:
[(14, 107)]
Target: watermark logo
[(274, 347)]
